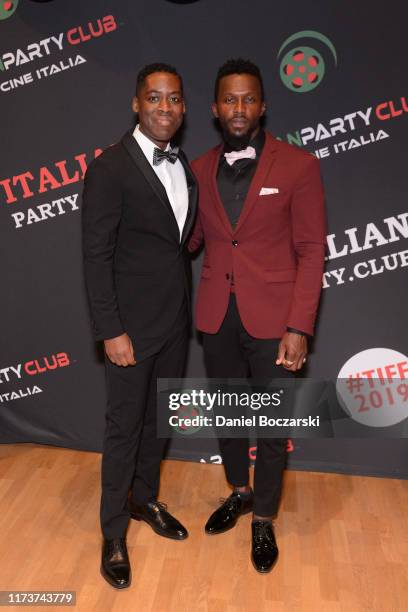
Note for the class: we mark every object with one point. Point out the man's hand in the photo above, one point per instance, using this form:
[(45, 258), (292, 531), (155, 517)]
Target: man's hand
[(292, 351), (120, 350)]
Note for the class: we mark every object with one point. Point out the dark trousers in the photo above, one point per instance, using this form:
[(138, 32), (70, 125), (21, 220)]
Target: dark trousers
[(233, 353), (132, 451)]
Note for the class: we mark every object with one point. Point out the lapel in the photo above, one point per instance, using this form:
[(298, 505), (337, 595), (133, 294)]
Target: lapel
[(213, 167), (192, 196), (136, 153), (265, 163), (266, 160)]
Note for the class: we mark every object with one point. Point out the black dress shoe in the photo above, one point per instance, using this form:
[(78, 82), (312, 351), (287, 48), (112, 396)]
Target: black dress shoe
[(161, 521), (226, 516), (264, 549), (115, 566)]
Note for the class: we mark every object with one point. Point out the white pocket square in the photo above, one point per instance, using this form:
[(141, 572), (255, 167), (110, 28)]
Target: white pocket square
[(268, 190)]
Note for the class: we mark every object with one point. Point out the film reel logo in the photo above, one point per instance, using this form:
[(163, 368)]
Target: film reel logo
[(7, 8), (189, 418), (303, 68)]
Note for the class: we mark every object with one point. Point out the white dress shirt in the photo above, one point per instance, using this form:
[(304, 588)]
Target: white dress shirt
[(172, 177)]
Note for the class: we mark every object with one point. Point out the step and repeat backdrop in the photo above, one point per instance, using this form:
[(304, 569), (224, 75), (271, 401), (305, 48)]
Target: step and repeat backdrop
[(336, 85)]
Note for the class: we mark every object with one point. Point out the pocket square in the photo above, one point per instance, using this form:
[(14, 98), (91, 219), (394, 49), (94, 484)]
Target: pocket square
[(268, 190)]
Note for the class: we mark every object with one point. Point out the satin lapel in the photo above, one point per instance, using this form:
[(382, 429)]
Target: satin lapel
[(192, 196), (265, 162), (145, 168), (213, 167)]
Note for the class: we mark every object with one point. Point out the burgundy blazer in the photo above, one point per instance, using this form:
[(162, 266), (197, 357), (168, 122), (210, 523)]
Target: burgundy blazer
[(276, 252)]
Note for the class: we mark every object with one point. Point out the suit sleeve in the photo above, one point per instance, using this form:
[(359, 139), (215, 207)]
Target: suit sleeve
[(308, 220), (101, 214), (197, 236)]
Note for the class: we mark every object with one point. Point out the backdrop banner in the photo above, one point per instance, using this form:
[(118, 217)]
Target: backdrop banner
[(336, 85)]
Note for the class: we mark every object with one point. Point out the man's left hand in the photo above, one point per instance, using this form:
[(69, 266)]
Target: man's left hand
[(292, 351)]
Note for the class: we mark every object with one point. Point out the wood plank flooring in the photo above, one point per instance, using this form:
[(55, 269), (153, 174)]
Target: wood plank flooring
[(343, 540)]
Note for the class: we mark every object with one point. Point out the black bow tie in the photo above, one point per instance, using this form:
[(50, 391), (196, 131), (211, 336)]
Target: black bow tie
[(159, 156)]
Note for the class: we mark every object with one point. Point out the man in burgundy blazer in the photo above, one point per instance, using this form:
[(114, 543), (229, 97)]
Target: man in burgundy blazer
[(262, 221)]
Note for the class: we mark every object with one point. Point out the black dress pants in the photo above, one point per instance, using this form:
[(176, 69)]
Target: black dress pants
[(233, 353), (132, 452)]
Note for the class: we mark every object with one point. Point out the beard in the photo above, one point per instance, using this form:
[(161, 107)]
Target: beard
[(236, 142)]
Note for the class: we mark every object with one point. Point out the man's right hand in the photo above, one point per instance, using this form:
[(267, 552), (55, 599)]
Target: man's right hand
[(120, 350)]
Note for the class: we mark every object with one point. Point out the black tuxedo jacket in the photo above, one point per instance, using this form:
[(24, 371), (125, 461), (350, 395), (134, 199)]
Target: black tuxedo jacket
[(137, 271)]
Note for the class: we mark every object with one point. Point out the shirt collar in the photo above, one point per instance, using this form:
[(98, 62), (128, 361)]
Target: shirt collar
[(258, 142), (145, 143)]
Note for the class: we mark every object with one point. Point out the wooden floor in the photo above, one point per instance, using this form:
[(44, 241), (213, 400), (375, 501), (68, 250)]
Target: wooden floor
[(343, 540)]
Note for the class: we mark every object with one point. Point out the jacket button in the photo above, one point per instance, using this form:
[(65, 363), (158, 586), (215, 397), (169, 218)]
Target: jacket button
[(235, 243), (227, 276)]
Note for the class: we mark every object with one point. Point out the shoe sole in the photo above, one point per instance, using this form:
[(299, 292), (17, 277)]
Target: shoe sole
[(160, 533), (211, 533), (112, 582)]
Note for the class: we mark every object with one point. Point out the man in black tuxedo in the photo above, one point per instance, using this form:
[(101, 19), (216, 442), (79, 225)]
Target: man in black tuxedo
[(139, 205)]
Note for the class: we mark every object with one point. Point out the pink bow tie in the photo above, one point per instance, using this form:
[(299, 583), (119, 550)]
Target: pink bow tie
[(232, 156)]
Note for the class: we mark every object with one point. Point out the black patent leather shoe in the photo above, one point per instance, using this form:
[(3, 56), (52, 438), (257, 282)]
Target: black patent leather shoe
[(264, 549), (161, 521), (226, 516), (115, 566)]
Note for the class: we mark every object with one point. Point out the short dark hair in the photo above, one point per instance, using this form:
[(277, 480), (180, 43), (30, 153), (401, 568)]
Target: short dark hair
[(238, 66), (151, 69)]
